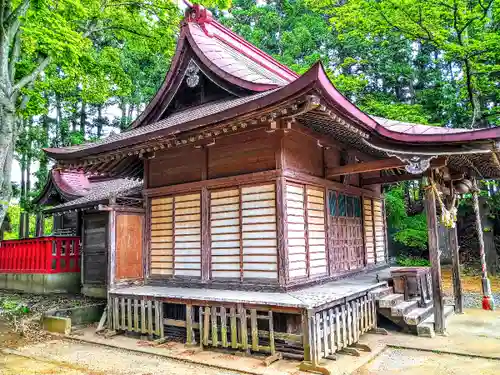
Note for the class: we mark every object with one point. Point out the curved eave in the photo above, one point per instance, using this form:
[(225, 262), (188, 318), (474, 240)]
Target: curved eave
[(315, 79), (343, 105), (51, 184), (187, 43)]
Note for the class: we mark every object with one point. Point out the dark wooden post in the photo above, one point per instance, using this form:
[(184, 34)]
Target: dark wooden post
[(39, 224), (488, 302), (437, 288)]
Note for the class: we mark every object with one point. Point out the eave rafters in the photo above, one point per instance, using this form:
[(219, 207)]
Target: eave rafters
[(125, 162)]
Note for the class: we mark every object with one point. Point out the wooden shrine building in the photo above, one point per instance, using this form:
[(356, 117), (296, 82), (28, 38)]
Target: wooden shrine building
[(264, 220), (78, 203)]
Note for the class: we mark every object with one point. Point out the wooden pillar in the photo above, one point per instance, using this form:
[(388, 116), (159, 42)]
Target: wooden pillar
[(437, 288), (39, 226), (490, 251), (488, 302), (281, 219), (455, 261)]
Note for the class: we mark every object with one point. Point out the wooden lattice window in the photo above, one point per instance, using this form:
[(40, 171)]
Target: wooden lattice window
[(345, 231)]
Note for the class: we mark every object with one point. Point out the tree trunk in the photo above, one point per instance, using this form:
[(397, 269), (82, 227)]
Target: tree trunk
[(123, 109), (7, 137), (22, 204), (83, 118)]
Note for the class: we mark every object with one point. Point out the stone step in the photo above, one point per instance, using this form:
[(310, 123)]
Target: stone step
[(382, 292), (416, 316), (403, 308), (390, 300), (426, 327)]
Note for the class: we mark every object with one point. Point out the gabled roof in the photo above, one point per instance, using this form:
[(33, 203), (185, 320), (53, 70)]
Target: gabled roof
[(101, 192), (68, 185), (265, 86), (74, 187), (229, 60)]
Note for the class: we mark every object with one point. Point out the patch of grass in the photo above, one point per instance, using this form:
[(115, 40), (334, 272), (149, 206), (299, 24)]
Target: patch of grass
[(406, 261), (13, 307)]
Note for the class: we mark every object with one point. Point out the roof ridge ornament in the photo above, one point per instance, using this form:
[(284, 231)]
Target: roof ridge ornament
[(192, 74), (415, 164), (199, 14)]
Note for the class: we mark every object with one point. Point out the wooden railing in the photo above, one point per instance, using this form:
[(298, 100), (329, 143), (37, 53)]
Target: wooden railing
[(40, 255)]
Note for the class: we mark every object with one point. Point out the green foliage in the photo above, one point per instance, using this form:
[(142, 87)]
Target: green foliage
[(14, 213), (413, 232), (405, 261), (410, 231), (439, 55)]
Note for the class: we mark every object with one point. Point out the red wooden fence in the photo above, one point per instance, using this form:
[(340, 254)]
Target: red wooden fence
[(40, 255)]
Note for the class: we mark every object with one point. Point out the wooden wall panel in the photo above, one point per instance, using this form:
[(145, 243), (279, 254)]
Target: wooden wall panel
[(258, 232), (187, 235), (243, 153), (368, 228), (316, 231), (95, 248), (296, 223), (175, 166), (129, 231), (332, 160), (162, 252), (379, 230), (302, 153), (225, 232)]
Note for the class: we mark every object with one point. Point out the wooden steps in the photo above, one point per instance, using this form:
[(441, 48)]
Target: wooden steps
[(413, 316), (426, 327)]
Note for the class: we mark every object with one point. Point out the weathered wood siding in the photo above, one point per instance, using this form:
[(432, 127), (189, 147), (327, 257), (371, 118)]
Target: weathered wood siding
[(129, 230), (305, 213), (242, 233), (316, 231), (296, 224), (239, 154), (374, 230), (259, 239), (162, 239), (187, 237), (379, 230), (95, 248), (225, 233), (175, 166), (368, 229), (302, 153)]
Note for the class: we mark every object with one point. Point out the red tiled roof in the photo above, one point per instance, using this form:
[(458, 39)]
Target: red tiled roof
[(233, 55), (235, 60), (73, 185)]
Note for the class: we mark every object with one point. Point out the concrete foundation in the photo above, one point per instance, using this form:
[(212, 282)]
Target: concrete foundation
[(95, 291), (79, 315), (40, 283)]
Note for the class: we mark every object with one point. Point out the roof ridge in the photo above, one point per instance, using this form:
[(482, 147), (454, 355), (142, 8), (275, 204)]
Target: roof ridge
[(203, 16)]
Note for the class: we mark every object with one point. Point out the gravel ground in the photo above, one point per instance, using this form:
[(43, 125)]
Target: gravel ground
[(413, 362), (96, 359), (474, 300)]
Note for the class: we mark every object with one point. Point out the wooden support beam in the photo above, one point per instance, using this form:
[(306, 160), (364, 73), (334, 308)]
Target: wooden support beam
[(368, 166), (437, 287), (377, 165), (390, 179)]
